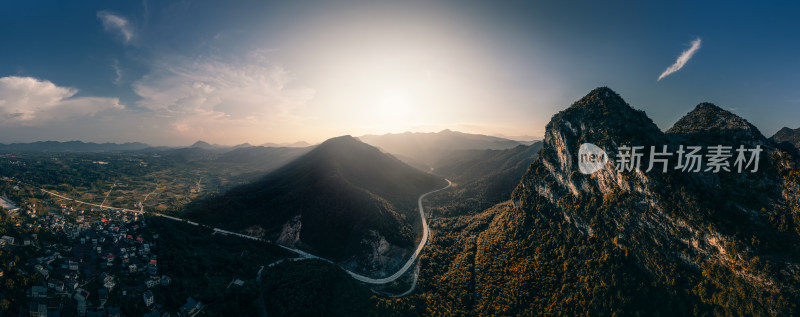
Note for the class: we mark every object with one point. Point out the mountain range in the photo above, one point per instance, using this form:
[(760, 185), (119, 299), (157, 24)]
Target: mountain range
[(621, 242), (423, 149), (287, 144), (344, 200), (523, 231), (482, 178), (260, 157), (71, 146)]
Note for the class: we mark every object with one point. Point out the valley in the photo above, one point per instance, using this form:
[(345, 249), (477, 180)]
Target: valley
[(482, 231), (198, 158), (178, 172)]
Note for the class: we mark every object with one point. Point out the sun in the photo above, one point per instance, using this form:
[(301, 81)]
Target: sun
[(393, 105)]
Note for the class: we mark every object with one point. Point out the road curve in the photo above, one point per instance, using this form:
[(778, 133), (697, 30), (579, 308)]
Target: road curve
[(303, 254), (410, 262)]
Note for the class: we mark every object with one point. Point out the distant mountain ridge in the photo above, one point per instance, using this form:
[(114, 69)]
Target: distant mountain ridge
[(208, 146), (482, 178), (267, 158), (421, 149), (287, 144), (71, 146)]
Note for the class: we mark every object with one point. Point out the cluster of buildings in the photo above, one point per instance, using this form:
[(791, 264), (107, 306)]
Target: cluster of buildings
[(9, 205), (97, 261)]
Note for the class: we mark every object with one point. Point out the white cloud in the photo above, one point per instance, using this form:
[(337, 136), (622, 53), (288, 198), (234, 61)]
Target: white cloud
[(685, 56), (114, 23), (30, 101), (221, 94), (118, 71)]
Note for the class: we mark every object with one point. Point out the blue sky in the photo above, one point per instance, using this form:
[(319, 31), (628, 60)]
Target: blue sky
[(172, 72)]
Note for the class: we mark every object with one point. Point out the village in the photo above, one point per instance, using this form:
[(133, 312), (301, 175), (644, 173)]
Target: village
[(85, 262)]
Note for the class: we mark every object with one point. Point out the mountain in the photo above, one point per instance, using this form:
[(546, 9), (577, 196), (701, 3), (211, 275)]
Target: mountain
[(190, 154), (71, 146), (622, 242), (709, 122), (429, 147), (287, 144), (470, 165), (343, 200), (524, 139), (252, 161), (200, 144), (482, 178), (262, 158), (243, 145), (786, 135)]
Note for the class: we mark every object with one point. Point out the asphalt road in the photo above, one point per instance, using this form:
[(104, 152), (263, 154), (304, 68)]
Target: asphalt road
[(303, 254)]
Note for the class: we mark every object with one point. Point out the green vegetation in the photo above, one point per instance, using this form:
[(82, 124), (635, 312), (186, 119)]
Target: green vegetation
[(670, 244), (203, 265), (611, 243), (164, 180), (314, 288)]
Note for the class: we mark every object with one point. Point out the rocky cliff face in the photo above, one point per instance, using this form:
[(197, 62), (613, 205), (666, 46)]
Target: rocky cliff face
[(601, 118), (627, 242), (744, 224)]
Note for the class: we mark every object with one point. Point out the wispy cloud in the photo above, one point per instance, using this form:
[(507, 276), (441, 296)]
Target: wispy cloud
[(114, 23), (228, 95), (30, 101), (117, 70), (685, 57)]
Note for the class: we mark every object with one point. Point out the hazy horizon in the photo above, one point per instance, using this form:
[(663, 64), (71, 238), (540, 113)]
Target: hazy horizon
[(258, 72), (518, 138)]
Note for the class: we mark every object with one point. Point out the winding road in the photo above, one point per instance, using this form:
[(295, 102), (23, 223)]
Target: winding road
[(410, 262), (303, 254)]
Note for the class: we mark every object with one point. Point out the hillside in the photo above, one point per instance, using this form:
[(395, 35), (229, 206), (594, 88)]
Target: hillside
[(332, 288), (620, 242), (262, 158), (482, 178), (343, 200)]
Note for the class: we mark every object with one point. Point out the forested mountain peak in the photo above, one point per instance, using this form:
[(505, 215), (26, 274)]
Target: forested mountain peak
[(708, 122), (786, 132), (706, 116), (791, 136), (740, 226), (602, 98), (346, 143), (343, 200), (600, 117)]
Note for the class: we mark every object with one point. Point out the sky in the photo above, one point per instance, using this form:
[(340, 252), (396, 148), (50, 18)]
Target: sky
[(229, 72)]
